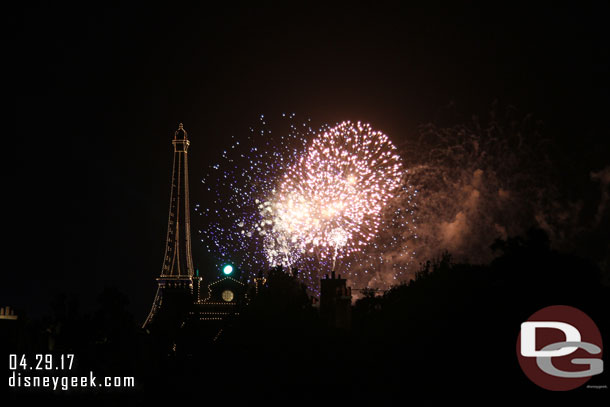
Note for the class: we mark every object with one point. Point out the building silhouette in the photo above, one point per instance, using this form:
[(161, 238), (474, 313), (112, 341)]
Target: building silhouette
[(214, 309), (11, 330), (335, 302)]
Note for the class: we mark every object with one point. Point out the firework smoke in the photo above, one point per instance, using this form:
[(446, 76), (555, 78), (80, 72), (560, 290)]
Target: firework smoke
[(478, 183), (489, 180), (345, 198)]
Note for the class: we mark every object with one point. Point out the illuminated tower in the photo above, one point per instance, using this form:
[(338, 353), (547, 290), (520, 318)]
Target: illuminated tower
[(175, 284)]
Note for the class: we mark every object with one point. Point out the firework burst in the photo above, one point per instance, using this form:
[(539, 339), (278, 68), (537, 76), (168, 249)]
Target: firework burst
[(329, 203), (312, 201)]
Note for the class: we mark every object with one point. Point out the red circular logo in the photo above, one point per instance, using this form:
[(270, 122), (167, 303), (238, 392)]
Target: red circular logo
[(560, 348)]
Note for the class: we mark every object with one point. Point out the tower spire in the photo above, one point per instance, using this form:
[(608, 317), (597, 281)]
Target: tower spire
[(180, 133)]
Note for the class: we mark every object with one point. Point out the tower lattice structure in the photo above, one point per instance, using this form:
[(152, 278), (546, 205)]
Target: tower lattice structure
[(175, 284)]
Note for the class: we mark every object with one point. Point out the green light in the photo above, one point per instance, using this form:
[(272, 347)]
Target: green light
[(228, 269)]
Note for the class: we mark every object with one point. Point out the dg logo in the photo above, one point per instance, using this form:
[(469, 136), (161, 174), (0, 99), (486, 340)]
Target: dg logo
[(560, 348)]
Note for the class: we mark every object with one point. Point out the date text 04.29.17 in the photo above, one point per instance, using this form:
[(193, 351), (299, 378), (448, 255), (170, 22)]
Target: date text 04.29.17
[(41, 362)]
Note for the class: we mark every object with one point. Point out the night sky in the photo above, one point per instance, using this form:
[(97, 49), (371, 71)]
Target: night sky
[(99, 90)]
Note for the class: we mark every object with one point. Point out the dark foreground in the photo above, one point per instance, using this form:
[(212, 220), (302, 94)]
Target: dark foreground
[(451, 331)]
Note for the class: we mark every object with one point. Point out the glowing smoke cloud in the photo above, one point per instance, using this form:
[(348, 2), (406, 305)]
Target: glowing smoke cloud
[(481, 181)]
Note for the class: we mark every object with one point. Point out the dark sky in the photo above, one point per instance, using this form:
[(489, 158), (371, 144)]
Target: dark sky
[(99, 89)]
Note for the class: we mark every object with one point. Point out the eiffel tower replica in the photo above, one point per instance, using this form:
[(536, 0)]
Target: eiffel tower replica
[(182, 316), (177, 285)]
